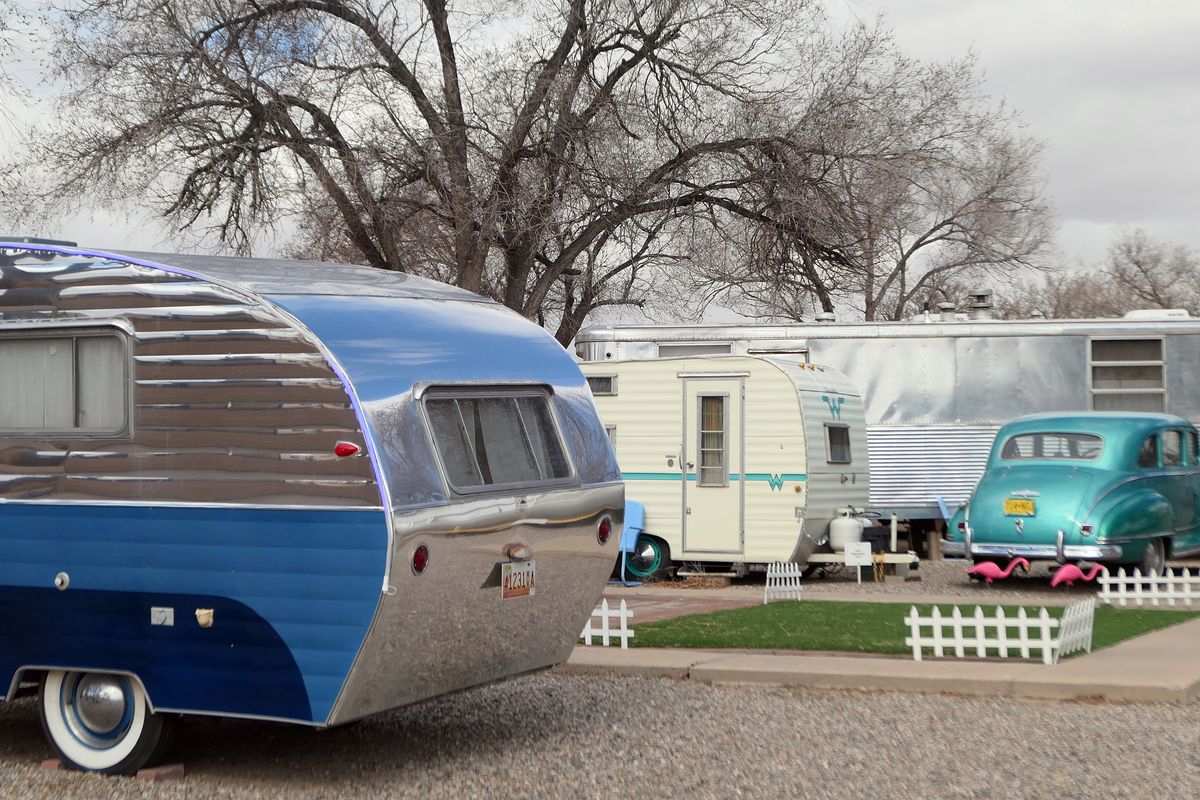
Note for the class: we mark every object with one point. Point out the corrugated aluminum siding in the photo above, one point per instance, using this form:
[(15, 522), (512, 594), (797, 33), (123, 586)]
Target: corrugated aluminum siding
[(914, 465)]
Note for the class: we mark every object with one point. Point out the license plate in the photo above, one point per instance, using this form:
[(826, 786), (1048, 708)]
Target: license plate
[(517, 579), (1018, 507)]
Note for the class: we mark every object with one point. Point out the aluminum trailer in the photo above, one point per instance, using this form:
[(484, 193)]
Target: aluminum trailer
[(280, 490)]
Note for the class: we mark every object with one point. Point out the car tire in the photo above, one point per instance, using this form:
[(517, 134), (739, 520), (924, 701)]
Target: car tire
[(1155, 558), (101, 722)]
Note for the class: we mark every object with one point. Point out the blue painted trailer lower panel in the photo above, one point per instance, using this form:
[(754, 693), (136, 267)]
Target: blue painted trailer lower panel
[(293, 593)]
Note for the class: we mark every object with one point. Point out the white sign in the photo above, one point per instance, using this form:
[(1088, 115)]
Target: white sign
[(858, 554)]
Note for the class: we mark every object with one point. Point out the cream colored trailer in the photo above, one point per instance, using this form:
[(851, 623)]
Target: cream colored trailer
[(737, 459)]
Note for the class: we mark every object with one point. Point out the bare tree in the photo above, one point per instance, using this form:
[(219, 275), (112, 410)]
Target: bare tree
[(543, 167), (929, 183), (1140, 272)]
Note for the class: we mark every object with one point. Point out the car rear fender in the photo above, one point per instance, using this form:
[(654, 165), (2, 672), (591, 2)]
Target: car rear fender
[(1126, 512)]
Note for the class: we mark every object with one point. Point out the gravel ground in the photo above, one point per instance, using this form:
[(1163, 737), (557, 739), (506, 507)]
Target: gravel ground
[(560, 736)]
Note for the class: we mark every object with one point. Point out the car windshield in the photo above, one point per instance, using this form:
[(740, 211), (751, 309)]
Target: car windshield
[(1068, 446)]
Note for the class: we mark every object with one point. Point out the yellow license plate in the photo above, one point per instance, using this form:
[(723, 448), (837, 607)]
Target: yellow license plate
[(1018, 507), (517, 579)]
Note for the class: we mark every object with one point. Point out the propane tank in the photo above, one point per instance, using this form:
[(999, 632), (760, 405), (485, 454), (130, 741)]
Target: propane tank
[(844, 530)]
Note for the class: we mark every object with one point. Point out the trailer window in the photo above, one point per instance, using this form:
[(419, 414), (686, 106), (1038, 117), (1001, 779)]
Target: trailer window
[(64, 384), (837, 443), (603, 385), (695, 349), (493, 441), (713, 461), (1127, 375), (1067, 446)]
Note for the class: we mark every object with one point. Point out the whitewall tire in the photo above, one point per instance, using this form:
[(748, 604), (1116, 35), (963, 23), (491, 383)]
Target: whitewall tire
[(101, 722)]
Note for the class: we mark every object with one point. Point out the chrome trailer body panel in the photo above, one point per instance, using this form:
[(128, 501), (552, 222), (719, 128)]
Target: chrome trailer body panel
[(449, 628)]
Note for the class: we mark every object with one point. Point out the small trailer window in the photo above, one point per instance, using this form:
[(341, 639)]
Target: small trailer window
[(713, 469), (694, 349), (1127, 375), (73, 384), (493, 441), (603, 385), (837, 443)]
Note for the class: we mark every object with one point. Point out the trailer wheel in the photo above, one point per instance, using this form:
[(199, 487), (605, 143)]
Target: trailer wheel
[(101, 722), (650, 558)]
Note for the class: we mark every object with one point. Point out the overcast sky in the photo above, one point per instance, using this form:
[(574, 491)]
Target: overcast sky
[(1110, 85)]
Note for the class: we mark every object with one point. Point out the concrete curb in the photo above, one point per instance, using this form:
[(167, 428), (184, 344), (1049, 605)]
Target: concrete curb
[(1160, 667)]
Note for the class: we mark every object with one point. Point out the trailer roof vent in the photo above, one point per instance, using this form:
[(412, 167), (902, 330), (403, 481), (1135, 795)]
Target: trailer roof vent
[(979, 303), (1037, 315), (946, 310), (826, 317)]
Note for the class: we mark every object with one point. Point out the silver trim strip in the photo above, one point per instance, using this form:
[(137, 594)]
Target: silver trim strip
[(185, 504)]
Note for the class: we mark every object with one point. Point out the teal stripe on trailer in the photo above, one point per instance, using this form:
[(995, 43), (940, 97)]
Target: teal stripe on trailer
[(691, 476)]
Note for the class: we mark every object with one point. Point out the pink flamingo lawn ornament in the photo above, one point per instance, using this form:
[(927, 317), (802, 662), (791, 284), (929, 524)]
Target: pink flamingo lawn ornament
[(1069, 573), (990, 571)]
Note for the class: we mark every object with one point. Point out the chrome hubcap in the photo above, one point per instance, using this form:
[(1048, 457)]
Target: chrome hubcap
[(100, 703), (97, 708)]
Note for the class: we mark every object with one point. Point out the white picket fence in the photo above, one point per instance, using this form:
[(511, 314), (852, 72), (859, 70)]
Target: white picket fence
[(978, 633), (606, 632), (783, 581), (1169, 588)]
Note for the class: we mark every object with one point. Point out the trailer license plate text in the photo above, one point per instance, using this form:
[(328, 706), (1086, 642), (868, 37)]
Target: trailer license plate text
[(1018, 507), (517, 579)]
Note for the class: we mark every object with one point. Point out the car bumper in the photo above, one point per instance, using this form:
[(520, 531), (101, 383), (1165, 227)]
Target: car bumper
[(1059, 551)]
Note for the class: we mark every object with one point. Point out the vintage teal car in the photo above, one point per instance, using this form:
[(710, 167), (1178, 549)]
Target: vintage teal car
[(1111, 487)]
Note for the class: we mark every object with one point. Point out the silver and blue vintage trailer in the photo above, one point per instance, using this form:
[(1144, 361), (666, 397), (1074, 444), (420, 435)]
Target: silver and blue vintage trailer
[(280, 490)]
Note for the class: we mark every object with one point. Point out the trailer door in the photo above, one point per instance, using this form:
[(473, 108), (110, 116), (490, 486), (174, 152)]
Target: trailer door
[(713, 491)]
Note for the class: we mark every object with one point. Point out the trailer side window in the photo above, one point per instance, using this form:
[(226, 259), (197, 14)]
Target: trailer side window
[(490, 441), (837, 443), (713, 463), (68, 384), (1127, 375), (603, 385)]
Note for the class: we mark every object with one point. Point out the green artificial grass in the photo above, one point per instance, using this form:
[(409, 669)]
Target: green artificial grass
[(855, 627)]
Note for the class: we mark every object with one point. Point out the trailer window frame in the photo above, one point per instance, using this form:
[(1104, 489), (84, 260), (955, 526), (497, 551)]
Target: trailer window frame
[(701, 481), (76, 333), (1142, 391), (493, 392), (841, 426), (612, 384)]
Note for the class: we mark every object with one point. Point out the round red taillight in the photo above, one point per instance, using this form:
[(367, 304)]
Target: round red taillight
[(420, 559), (344, 449), (603, 531)]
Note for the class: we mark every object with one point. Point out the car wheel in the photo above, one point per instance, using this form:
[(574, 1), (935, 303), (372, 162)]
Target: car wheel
[(101, 722), (1155, 557), (650, 558)]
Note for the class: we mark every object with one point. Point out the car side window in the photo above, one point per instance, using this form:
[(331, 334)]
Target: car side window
[(1194, 456), (1148, 455), (1172, 448)]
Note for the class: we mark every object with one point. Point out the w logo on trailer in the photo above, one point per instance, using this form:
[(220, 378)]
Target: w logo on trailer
[(835, 405), (776, 482)]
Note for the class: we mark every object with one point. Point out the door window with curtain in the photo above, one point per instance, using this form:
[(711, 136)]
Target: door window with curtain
[(714, 461), (71, 383)]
